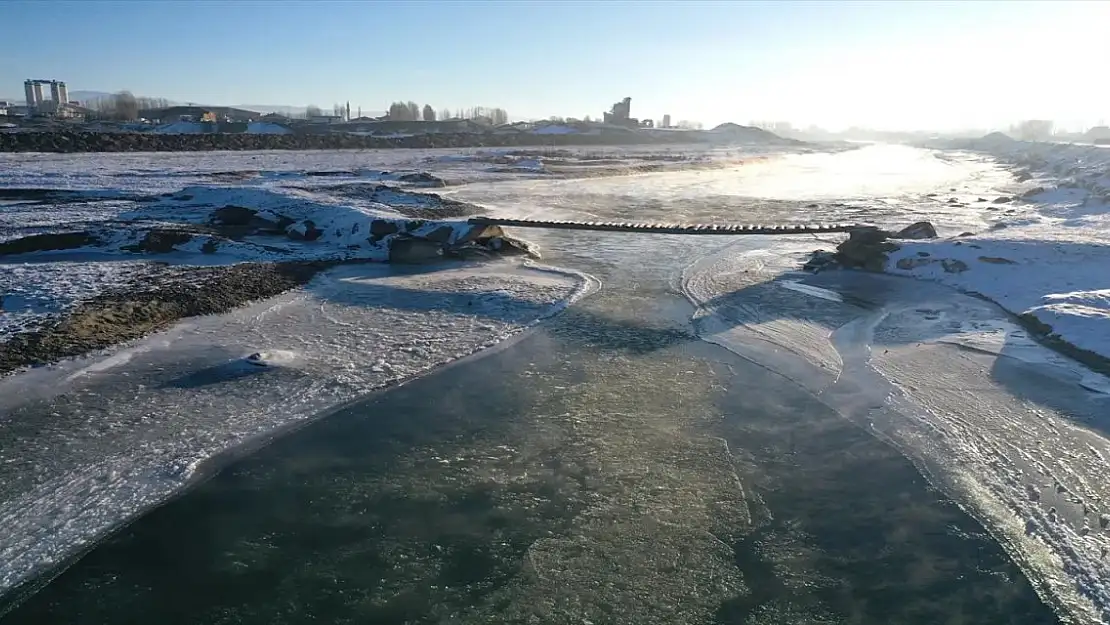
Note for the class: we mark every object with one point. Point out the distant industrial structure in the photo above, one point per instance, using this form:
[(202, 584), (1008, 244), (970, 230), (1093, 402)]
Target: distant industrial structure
[(666, 121), (621, 115), (58, 105)]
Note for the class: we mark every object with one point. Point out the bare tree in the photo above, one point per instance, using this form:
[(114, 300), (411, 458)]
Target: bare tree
[(337, 110), (1033, 130), (125, 106), (414, 111), (429, 113), (312, 111), (444, 114)]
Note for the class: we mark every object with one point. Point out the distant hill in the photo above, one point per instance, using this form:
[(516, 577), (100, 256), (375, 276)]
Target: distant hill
[(749, 134), (280, 109), (87, 96)]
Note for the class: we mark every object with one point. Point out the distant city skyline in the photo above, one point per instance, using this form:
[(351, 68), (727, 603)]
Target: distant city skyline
[(883, 65)]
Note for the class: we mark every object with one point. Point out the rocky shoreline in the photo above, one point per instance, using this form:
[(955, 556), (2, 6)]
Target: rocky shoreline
[(76, 141)]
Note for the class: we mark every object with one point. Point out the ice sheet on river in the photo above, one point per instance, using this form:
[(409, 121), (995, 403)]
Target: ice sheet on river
[(89, 443), (1015, 432)]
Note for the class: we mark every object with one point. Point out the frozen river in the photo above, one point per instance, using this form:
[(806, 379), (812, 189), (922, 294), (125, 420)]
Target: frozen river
[(695, 434)]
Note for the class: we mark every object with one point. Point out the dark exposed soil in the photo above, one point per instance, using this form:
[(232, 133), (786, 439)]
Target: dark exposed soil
[(70, 141), (59, 196), (114, 318), (47, 242)]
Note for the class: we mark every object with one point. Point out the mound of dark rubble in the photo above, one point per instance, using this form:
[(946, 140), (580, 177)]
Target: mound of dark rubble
[(868, 248), (76, 141), (403, 241), (160, 300)]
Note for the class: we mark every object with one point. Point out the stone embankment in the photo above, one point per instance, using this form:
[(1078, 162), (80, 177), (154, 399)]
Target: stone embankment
[(75, 141)]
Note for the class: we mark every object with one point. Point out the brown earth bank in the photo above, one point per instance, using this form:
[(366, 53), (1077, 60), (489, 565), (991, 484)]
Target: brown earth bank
[(117, 317), (74, 141)]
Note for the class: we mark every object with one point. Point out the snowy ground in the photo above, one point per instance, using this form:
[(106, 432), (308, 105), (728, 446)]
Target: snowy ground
[(1046, 253), (118, 199)]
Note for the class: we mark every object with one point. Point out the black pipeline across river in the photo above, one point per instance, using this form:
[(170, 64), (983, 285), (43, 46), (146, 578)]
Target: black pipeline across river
[(664, 228)]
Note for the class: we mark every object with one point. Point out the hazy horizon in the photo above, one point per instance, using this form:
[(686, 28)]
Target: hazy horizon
[(884, 65)]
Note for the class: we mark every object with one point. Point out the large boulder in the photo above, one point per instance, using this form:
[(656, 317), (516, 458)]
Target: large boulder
[(422, 179), (908, 264), (510, 246), (304, 231), (820, 260), (381, 228), (441, 235), (954, 266), (233, 216), (866, 248), (481, 233), (919, 230), (236, 221), (412, 250), (159, 241)]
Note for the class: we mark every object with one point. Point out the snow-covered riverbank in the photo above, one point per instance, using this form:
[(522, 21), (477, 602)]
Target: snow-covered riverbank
[(1047, 254)]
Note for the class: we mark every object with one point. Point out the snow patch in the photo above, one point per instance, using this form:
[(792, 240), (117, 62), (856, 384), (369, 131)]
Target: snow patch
[(1061, 283)]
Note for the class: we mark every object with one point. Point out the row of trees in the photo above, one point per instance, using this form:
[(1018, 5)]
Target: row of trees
[(123, 106), (412, 112)]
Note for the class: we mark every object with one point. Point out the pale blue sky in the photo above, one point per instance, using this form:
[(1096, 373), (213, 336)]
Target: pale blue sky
[(891, 63)]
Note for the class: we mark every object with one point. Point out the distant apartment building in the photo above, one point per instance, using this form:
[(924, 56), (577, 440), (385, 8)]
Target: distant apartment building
[(37, 104), (621, 114)]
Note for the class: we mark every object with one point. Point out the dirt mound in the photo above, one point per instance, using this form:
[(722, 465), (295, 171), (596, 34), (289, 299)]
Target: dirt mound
[(997, 137), (422, 179), (749, 134)]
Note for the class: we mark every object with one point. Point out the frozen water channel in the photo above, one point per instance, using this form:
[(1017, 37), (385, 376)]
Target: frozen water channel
[(701, 436)]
